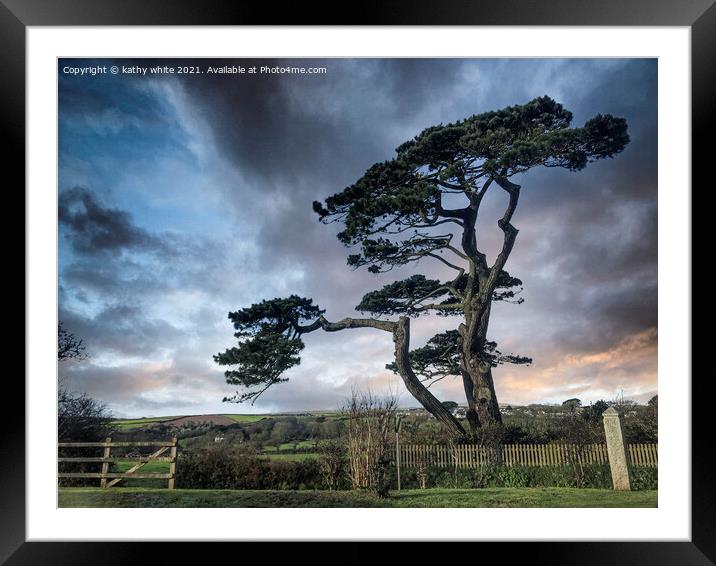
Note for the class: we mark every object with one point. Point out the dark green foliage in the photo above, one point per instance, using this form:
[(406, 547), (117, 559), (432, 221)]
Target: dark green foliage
[(403, 193), (516, 434), (274, 316), (403, 297), (596, 476), (258, 435), (440, 357), (496, 357), (270, 343), (227, 467), (382, 476), (575, 430), (381, 254), (593, 413), (261, 361), (333, 463), (409, 296), (643, 478), (642, 425)]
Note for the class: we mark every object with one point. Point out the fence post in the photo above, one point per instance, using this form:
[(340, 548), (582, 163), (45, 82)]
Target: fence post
[(398, 420), (616, 450), (173, 463), (105, 465)]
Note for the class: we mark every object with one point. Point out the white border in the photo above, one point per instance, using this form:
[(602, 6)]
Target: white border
[(671, 521)]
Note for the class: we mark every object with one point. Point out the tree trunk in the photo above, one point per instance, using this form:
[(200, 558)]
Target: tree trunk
[(483, 409), (401, 337), (480, 392), (488, 411), (472, 418)]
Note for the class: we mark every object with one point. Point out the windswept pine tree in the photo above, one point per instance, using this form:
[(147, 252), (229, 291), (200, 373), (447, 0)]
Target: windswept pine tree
[(403, 211)]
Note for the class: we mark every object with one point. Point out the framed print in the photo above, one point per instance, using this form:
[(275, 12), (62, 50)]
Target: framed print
[(454, 248)]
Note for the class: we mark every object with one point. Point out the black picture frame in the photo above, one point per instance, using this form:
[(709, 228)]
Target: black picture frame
[(699, 15)]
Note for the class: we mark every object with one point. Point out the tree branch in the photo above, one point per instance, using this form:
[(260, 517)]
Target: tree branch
[(401, 338), (510, 232), (386, 325), (345, 323), (446, 262), (433, 380)]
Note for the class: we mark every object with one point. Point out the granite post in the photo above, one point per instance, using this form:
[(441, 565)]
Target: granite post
[(616, 450)]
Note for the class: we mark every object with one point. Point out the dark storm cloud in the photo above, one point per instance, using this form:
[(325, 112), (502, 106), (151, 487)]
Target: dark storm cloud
[(307, 129), (121, 329), (91, 228), (118, 279), (301, 138)]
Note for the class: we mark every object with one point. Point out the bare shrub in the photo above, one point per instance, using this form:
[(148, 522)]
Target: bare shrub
[(332, 462), (370, 422), (80, 419)]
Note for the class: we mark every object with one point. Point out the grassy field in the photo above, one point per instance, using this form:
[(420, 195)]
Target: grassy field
[(128, 424), (289, 457), (138, 423), (490, 497), (246, 418), (148, 468), (289, 446)]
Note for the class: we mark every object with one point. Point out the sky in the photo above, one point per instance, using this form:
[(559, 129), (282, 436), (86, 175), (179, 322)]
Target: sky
[(184, 197)]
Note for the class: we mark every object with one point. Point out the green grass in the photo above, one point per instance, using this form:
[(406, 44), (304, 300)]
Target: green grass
[(125, 424), (289, 446), (246, 418), (491, 497), (137, 423), (148, 468), (289, 457)]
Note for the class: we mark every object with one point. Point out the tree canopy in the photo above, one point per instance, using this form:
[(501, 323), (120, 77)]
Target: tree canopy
[(406, 193), (270, 343)]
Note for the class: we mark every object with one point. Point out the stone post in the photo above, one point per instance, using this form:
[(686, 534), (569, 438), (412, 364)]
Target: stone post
[(616, 450)]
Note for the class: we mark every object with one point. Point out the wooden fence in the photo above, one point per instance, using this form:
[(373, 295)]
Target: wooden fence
[(107, 478), (472, 455)]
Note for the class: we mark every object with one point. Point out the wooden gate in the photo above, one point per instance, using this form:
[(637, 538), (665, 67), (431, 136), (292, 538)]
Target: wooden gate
[(107, 478)]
